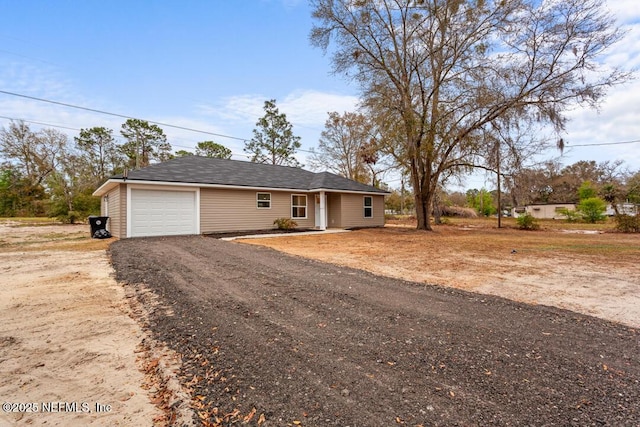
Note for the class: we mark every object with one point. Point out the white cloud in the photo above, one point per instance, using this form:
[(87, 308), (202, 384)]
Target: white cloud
[(184, 139), (46, 83), (310, 107), (625, 53), (617, 118), (290, 4), (306, 110), (40, 81), (239, 109), (616, 121), (626, 11)]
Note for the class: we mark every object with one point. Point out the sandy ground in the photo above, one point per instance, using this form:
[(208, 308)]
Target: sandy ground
[(591, 273), (68, 346)]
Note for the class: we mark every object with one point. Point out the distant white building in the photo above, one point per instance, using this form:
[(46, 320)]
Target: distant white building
[(623, 209), (554, 210), (544, 211)]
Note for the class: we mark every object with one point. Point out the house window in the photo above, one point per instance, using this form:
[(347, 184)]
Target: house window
[(263, 200), (368, 207), (298, 206)]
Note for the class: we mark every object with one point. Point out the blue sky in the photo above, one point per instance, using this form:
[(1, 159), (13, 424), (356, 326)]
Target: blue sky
[(210, 65)]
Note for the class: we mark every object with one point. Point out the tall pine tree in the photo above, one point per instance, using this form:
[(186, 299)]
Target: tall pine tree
[(273, 140)]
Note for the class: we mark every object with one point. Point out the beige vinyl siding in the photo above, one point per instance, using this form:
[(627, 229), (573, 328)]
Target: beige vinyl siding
[(378, 211), (117, 211), (335, 213), (352, 211), (236, 210), (123, 210)]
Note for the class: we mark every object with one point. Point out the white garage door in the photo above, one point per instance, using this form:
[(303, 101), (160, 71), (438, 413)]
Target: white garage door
[(162, 213)]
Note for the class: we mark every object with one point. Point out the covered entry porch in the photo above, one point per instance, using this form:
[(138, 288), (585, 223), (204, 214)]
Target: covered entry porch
[(347, 210)]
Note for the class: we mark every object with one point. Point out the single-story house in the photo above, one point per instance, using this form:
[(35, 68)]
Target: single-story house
[(200, 195), (544, 211)]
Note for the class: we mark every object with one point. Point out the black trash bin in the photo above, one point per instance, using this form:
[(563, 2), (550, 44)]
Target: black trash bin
[(99, 227)]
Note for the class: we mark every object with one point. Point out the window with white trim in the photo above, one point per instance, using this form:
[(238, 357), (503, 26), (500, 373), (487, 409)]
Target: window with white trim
[(368, 207), (263, 200), (298, 206)]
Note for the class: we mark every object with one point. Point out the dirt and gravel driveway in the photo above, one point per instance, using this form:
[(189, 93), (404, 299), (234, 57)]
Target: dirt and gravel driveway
[(275, 340)]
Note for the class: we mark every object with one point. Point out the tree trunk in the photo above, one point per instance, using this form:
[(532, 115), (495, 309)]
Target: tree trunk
[(423, 202), (423, 194), (422, 213)]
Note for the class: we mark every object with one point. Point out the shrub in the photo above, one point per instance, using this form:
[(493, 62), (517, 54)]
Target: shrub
[(481, 201), (70, 217), (285, 223), (570, 215), (587, 191), (459, 212), (628, 223), (527, 222), (74, 216), (592, 209)]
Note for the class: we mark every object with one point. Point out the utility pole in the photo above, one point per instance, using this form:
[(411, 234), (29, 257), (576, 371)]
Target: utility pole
[(499, 191), (402, 194)]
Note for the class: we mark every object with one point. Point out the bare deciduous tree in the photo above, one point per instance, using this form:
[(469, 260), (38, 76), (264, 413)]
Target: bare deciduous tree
[(36, 154), (437, 73), (341, 145)]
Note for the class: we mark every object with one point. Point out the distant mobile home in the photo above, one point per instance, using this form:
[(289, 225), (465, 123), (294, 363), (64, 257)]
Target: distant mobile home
[(554, 210), (544, 211)]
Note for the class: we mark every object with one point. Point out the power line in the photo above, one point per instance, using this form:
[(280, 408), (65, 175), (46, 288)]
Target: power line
[(173, 145), (38, 123), (123, 116), (206, 132), (119, 115), (70, 128), (213, 133), (603, 143)]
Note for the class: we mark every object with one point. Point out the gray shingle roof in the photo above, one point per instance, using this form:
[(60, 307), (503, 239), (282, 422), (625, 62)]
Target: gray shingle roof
[(206, 170)]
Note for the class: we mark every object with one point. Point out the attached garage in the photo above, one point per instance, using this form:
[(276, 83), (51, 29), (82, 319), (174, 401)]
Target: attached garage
[(162, 212)]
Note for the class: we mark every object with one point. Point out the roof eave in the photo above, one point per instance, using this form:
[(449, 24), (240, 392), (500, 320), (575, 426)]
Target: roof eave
[(107, 186), (334, 190), (113, 182)]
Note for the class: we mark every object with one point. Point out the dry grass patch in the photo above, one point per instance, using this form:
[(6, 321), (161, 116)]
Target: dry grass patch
[(594, 273), (27, 235)]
